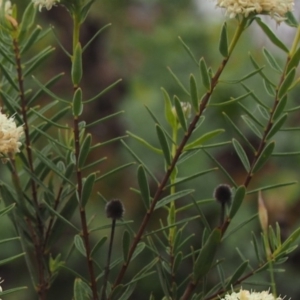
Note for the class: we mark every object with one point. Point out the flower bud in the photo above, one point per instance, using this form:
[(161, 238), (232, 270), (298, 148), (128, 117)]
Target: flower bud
[(186, 109), (114, 209), (223, 194)]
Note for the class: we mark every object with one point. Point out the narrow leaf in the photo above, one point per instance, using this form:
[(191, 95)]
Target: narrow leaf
[(270, 34), (237, 201), (126, 245), (144, 187), (223, 43), (81, 290), (286, 83), (280, 108), (87, 188), (204, 74), (169, 115), (164, 144), (194, 93), (78, 242), (277, 126), (180, 113), (264, 156), (241, 154), (271, 60)]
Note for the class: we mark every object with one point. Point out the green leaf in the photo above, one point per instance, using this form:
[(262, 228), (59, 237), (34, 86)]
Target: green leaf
[(170, 198), (280, 108), (252, 126), (277, 126), (264, 156), (237, 200), (98, 245), (202, 139), (180, 113), (61, 216), (144, 187), (294, 61), (269, 88), (285, 246), (85, 10), (272, 186), (204, 74), (31, 40), (126, 245), (239, 132), (206, 256), (145, 143), (139, 249), (170, 117), (231, 101), (77, 103), (290, 19), (223, 43), (28, 18), (270, 34), (271, 60), (164, 144), (84, 150), (178, 82), (194, 93), (188, 50), (10, 259), (288, 80), (82, 291), (87, 188), (177, 261), (9, 77), (241, 154), (7, 209), (237, 274), (78, 242), (255, 245), (76, 71), (128, 292)]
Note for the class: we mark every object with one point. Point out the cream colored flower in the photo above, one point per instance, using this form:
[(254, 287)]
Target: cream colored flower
[(7, 6), (45, 3), (246, 295), (275, 8), (9, 135)]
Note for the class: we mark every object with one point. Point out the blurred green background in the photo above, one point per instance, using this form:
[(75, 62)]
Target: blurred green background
[(139, 46)]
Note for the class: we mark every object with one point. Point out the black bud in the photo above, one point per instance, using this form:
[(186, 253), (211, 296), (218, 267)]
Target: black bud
[(223, 194), (114, 209)]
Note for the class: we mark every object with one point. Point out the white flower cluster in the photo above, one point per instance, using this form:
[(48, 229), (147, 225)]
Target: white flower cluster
[(246, 295), (6, 5), (9, 135), (275, 8), (45, 3)]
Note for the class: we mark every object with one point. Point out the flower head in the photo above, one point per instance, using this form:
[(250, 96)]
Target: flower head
[(6, 5), (9, 135), (114, 209), (246, 295), (275, 8), (223, 194), (45, 3)]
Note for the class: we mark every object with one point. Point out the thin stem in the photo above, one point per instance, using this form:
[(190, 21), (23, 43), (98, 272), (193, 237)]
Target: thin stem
[(179, 151), (38, 243), (107, 268)]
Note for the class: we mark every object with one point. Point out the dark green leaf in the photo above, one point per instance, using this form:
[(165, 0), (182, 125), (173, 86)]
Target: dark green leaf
[(98, 245), (84, 150), (82, 291), (288, 80), (270, 34), (294, 62), (280, 108), (237, 274), (31, 40), (241, 154), (264, 156), (271, 60), (78, 242), (277, 126), (27, 21), (77, 103), (290, 19), (194, 93), (170, 198), (180, 114), (252, 126), (164, 144), (206, 256), (223, 43), (170, 117), (188, 50), (144, 187), (178, 82), (87, 188), (204, 74), (126, 245), (237, 201)]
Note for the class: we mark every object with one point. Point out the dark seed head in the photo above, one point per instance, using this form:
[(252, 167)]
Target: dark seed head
[(223, 194), (114, 209)]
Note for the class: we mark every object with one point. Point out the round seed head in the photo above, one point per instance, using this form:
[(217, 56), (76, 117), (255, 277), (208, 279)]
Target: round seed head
[(223, 194), (114, 209)]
